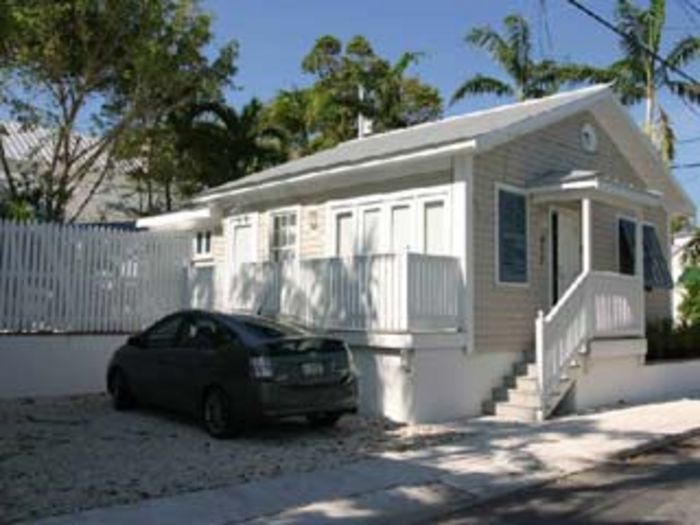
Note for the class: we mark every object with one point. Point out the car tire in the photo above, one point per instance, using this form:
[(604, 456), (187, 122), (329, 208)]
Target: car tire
[(217, 414), (324, 419), (118, 386)]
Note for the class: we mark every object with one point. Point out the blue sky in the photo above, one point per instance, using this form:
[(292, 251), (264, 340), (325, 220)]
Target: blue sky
[(275, 34)]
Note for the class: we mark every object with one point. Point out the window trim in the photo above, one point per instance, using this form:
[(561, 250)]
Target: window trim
[(207, 255), (423, 204), (498, 187)]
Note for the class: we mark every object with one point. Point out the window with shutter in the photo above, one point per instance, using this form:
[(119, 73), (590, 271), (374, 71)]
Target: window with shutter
[(656, 274), (512, 237)]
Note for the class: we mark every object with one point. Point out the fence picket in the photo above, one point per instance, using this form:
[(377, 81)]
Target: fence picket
[(87, 279)]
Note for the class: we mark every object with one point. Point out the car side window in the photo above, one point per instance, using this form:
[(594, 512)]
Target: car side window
[(201, 332), (164, 333)]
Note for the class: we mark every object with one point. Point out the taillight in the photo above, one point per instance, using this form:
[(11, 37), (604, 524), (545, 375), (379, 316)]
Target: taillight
[(261, 367)]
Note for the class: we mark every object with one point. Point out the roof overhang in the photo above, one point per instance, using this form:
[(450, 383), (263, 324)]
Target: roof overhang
[(392, 167), (595, 187), (181, 220)]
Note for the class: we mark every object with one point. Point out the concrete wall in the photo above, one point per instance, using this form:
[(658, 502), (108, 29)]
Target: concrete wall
[(625, 378), (427, 385), (54, 365)]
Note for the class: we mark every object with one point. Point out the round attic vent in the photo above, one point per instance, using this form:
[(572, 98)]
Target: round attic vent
[(589, 138)]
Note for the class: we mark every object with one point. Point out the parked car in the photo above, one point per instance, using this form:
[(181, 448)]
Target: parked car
[(233, 369)]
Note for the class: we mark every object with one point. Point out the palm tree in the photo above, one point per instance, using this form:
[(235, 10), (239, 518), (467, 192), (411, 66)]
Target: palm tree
[(227, 144), (639, 75), (512, 51)]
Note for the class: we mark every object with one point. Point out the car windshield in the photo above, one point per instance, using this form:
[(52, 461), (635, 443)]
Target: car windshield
[(263, 329)]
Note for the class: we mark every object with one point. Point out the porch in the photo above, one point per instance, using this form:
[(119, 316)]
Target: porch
[(392, 293)]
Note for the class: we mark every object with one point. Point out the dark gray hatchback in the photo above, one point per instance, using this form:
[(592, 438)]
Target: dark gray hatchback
[(233, 369)]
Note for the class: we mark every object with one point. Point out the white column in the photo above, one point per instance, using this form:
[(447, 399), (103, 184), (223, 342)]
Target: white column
[(462, 237), (587, 234)]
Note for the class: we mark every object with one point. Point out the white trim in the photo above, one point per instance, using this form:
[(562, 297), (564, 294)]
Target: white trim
[(179, 220), (498, 187), (462, 233)]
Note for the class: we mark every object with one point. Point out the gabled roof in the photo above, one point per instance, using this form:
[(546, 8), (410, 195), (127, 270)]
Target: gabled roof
[(476, 131)]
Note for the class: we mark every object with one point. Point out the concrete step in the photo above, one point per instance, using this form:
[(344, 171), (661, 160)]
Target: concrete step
[(526, 384), (516, 412), (488, 407), (522, 398), (525, 369)]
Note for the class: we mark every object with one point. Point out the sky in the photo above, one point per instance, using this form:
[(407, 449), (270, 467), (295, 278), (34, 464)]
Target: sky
[(274, 35)]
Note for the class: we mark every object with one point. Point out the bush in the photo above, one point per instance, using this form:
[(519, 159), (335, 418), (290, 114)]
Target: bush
[(666, 341)]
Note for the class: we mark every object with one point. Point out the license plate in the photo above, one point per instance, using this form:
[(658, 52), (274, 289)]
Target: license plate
[(312, 369)]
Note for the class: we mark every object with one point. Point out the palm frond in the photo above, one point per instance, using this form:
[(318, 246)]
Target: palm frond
[(686, 90), (665, 138), (685, 51), (482, 85)]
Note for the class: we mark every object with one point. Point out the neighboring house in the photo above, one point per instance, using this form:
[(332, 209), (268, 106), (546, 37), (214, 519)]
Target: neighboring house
[(533, 235), (680, 241), (115, 198)]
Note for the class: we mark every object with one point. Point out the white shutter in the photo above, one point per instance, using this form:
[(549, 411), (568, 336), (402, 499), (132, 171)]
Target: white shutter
[(343, 235), (401, 228), (434, 228), (370, 230)]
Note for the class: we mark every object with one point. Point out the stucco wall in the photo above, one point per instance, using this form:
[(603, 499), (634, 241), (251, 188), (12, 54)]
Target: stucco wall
[(54, 365), (556, 147)]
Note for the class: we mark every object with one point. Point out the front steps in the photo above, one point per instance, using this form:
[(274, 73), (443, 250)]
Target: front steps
[(518, 398)]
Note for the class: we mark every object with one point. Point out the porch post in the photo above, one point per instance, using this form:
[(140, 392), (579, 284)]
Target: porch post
[(587, 234)]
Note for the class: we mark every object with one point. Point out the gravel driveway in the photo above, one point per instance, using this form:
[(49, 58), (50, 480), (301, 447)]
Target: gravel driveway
[(61, 455)]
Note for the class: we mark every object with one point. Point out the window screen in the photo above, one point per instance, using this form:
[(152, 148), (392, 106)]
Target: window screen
[(434, 228), (512, 237)]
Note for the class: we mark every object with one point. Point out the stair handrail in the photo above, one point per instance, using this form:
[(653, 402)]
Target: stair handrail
[(543, 337)]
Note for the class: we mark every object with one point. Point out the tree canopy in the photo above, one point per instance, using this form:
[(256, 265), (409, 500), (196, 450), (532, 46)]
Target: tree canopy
[(108, 67)]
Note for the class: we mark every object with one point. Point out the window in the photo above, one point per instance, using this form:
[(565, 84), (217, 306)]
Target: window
[(284, 236), (401, 228), (202, 243), (163, 334), (200, 332), (656, 273), (371, 230), (434, 228), (344, 236), (511, 237), (627, 240)]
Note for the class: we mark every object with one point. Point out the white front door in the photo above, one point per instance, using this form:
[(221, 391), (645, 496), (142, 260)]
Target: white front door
[(243, 248), (566, 250)]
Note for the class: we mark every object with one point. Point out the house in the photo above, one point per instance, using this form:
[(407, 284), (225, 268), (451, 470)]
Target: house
[(115, 199), (485, 261)]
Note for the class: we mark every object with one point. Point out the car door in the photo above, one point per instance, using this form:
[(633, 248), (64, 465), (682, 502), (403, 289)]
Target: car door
[(195, 361), (158, 342)]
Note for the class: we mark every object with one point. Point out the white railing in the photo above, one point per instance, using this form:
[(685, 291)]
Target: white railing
[(56, 278), (383, 292), (597, 304)]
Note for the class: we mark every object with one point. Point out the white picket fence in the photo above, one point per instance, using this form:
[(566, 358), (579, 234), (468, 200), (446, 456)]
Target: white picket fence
[(85, 279)]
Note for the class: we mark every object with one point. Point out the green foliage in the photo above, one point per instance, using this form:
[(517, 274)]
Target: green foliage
[(118, 66), (511, 50), (325, 113), (666, 341), (638, 76)]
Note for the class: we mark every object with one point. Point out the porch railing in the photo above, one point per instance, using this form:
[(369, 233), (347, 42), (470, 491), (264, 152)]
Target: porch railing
[(383, 292), (597, 304)]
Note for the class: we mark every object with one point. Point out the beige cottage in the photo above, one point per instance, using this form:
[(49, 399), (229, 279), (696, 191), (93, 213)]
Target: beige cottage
[(472, 263)]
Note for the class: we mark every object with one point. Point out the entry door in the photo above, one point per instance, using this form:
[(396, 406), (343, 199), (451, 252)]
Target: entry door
[(566, 250)]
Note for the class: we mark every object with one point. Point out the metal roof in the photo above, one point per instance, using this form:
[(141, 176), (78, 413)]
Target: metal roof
[(420, 137)]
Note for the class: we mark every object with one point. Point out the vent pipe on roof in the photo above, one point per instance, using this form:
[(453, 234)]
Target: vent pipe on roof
[(364, 125)]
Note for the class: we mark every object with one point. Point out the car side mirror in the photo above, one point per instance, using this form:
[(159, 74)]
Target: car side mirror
[(135, 340)]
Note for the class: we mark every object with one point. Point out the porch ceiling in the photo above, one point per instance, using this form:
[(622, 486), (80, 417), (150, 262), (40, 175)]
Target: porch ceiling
[(577, 184)]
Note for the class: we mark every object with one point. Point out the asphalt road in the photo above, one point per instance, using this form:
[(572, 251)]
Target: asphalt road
[(663, 487)]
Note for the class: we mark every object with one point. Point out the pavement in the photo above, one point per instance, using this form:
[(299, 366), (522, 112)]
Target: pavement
[(659, 487), (491, 459)]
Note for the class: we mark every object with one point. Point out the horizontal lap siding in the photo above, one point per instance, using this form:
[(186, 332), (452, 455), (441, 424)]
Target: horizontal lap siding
[(505, 315)]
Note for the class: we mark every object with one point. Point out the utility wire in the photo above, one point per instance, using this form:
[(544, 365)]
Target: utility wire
[(686, 166), (595, 16)]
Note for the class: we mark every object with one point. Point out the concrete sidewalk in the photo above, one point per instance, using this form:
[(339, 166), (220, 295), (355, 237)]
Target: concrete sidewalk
[(491, 457)]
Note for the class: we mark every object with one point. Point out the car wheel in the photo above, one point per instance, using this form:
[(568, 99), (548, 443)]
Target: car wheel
[(118, 386), (217, 414), (324, 419)]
